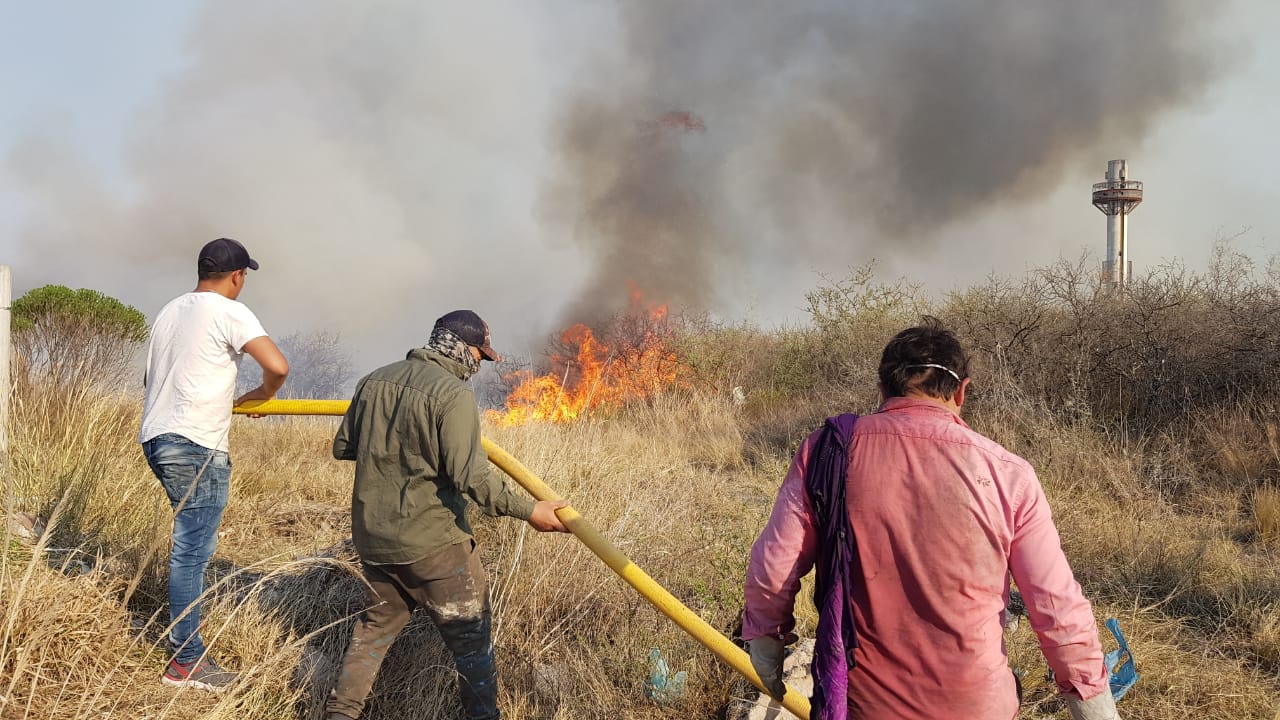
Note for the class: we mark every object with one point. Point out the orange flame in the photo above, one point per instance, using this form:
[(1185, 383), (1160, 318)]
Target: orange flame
[(598, 376)]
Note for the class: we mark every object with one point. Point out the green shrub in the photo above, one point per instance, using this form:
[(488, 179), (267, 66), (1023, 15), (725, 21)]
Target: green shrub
[(74, 337)]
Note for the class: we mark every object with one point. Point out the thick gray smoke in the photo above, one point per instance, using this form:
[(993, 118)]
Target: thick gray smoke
[(389, 161), (839, 125)]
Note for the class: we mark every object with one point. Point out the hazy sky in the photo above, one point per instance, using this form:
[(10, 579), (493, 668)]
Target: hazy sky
[(389, 161)]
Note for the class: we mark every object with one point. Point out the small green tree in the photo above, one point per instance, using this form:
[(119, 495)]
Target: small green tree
[(68, 337)]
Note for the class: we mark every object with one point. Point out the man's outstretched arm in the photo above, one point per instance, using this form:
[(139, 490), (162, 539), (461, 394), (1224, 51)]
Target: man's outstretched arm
[(274, 368)]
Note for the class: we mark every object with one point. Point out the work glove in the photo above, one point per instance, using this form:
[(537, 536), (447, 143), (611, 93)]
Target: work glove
[(1099, 707), (766, 657)]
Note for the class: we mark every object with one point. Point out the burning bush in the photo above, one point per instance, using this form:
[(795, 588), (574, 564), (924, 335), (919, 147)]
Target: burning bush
[(634, 359)]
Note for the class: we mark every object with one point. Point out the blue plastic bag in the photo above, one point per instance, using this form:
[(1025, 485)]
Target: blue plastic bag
[(1123, 675), (662, 687), (1120, 675)]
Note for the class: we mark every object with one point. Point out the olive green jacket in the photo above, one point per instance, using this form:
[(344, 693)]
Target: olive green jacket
[(414, 431)]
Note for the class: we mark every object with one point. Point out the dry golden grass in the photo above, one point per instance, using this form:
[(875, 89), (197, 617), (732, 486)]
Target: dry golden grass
[(1196, 591), (573, 641), (1266, 514)]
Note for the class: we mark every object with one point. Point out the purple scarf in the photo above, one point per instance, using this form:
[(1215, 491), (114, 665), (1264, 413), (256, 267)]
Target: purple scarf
[(824, 479)]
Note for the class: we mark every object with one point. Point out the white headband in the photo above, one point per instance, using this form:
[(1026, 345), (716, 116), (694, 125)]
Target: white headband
[(940, 367)]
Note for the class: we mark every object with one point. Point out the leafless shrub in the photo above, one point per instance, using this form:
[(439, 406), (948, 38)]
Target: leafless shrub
[(320, 367)]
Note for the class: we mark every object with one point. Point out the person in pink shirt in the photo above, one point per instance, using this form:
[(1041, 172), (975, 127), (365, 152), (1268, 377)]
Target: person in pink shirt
[(937, 519)]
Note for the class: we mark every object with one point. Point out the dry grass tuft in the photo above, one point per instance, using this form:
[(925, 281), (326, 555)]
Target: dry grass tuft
[(1237, 449), (1266, 514)]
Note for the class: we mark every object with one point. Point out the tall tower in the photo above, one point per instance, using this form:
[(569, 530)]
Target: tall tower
[(1116, 198)]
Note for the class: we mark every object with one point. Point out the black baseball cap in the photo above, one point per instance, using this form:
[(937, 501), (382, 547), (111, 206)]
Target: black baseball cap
[(225, 255), (473, 331)]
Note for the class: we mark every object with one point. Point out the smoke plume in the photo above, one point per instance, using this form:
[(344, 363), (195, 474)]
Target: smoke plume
[(833, 126), (379, 159)]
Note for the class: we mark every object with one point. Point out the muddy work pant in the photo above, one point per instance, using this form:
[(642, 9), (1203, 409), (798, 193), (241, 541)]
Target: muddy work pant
[(449, 586)]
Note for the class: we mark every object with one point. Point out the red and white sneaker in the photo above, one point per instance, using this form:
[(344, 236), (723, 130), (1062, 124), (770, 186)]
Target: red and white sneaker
[(201, 674)]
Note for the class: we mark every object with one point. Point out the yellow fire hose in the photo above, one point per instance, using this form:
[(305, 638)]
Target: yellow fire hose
[(657, 595)]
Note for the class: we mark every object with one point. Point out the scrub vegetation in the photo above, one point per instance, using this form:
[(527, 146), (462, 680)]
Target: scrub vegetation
[(1152, 418)]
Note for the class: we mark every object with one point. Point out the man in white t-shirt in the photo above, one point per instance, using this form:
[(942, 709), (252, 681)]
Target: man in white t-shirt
[(197, 342)]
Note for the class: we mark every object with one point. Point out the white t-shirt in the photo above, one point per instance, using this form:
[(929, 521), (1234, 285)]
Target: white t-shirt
[(197, 342)]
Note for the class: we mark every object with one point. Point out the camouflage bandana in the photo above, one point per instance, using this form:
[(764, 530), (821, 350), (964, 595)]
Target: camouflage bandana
[(447, 343)]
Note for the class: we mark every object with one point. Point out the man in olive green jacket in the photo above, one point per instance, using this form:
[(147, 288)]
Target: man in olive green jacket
[(413, 430)]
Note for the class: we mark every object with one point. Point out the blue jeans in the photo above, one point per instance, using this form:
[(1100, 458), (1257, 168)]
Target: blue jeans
[(197, 480)]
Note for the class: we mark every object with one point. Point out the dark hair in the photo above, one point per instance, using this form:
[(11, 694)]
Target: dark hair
[(910, 361)]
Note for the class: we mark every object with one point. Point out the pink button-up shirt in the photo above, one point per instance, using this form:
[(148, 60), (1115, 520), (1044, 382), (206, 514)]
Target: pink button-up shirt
[(942, 518)]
